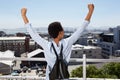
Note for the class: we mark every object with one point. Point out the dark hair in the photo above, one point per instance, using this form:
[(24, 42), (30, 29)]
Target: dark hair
[(54, 29)]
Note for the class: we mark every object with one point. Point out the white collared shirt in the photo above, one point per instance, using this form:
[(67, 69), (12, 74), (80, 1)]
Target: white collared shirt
[(46, 45)]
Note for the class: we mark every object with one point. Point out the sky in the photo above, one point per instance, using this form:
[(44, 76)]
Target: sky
[(70, 13)]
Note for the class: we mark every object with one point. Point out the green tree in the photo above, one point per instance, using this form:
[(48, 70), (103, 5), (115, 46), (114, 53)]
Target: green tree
[(92, 71), (77, 72), (110, 70)]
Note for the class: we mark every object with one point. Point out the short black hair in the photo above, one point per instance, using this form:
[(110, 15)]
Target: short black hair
[(54, 28)]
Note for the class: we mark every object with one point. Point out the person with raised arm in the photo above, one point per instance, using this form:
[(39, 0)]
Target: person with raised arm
[(58, 46)]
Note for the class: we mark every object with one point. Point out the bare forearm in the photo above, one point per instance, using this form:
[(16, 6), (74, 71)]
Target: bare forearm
[(23, 13), (91, 9), (25, 19), (89, 15)]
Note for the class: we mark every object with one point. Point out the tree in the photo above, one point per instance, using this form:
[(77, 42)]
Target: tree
[(110, 70), (77, 72), (92, 71)]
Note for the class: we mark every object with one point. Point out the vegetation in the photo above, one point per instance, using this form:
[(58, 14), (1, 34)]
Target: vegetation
[(110, 70)]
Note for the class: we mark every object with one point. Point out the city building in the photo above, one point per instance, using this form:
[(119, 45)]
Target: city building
[(90, 51), (16, 44), (89, 39), (110, 42), (5, 66)]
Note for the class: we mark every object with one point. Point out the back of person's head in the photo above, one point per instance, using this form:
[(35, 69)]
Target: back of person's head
[(54, 29)]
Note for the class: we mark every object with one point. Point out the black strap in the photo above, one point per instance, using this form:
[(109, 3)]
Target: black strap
[(58, 58), (61, 54), (56, 51)]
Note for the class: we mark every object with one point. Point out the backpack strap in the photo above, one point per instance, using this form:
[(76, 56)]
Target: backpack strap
[(61, 54), (56, 51)]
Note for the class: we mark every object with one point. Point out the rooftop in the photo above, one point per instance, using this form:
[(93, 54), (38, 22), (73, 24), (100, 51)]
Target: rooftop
[(12, 38), (80, 47)]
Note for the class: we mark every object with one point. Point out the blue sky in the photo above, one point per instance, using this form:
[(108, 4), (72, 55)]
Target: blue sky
[(70, 13)]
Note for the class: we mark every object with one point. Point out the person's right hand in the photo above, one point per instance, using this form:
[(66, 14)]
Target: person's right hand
[(23, 11)]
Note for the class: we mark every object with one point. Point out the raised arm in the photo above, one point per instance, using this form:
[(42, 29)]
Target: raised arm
[(23, 13), (76, 35), (91, 9), (35, 36)]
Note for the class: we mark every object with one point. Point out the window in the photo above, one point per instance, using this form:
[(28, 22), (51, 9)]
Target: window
[(84, 52), (76, 52), (90, 51)]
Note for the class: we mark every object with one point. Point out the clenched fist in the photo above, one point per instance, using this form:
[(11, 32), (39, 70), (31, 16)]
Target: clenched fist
[(23, 11), (91, 7)]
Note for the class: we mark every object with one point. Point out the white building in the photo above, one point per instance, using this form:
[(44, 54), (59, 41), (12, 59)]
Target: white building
[(90, 51), (5, 66)]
